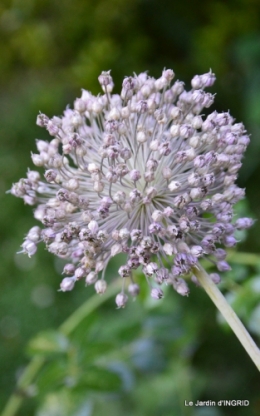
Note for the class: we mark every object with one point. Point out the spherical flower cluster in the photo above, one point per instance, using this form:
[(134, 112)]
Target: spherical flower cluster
[(140, 173)]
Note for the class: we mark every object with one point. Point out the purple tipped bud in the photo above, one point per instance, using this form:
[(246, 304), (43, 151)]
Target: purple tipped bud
[(230, 241), (243, 223), (79, 273), (50, 175), (29, 247), (52, 128), (168, 74), (181, 287), (150, 269), (42, 120), (34, 234), (37, 159), (157, 293), (208, 79), (124, 271), (91, 278), (215, 277), (162, 275), (135, 175), (141, 107), (105, 78), (67, 284), (69, 269), (121, 300), (196, 82), (134, 289), (223, 266), (152, 164), (197, 251), (220, 254), (155, 228), (101, 286), (129, 83)]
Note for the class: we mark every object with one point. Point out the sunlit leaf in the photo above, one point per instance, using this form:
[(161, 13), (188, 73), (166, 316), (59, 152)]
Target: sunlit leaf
[(65, 403), (48, 342)]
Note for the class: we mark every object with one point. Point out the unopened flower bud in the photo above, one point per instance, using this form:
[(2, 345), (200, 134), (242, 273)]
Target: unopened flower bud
[(29, 247), (181, 287), (91, 278), (69, 269), (215, 278), (121, 300), (100, 286), (67, 284), (156, 293), (134, 289)]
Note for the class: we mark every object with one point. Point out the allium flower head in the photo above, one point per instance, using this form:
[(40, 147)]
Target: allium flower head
[(141, 173)]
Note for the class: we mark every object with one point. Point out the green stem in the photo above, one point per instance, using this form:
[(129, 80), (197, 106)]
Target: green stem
[(30, 372), (229, 315), (87, 308), (25, 380)]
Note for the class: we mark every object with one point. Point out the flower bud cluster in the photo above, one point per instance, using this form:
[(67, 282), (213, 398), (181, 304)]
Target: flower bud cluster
[(141, 173)]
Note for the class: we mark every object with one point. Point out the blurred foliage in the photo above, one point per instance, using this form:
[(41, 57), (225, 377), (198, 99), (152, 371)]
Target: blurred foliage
[(150, 357)]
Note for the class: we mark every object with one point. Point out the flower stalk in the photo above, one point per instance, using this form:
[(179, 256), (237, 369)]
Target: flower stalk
[(229, 315)]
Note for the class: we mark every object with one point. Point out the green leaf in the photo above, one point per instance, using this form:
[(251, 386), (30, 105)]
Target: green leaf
[(65, 403), (100, 379), (94, 350), (52, 376), (48, 343)]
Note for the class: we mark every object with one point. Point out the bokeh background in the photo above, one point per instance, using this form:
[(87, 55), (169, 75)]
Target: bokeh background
[(150, 357)]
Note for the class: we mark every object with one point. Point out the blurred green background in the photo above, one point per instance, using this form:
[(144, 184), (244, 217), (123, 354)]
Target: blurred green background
[(150, 357)]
